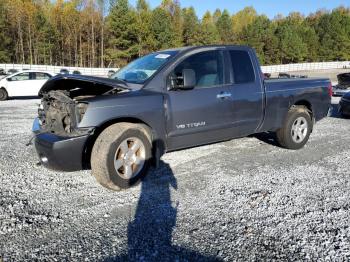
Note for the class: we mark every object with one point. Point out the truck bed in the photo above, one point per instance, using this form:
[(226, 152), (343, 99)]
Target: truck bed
[(280, 94)]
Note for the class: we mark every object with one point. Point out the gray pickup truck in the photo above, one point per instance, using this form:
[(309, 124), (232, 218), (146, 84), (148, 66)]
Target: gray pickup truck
[(166, 101)]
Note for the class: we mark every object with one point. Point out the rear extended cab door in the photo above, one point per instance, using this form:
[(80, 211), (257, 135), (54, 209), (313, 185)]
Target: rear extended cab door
[(203, 114), (247, 89)]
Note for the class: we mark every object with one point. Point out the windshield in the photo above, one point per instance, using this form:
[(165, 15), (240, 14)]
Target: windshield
[(143, 68)]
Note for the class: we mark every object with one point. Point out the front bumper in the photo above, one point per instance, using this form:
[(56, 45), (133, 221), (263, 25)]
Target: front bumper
[(340, 92), (344, 107), (60, 153)]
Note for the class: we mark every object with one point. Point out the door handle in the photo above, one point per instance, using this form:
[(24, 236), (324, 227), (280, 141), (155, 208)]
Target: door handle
[(223, 95)]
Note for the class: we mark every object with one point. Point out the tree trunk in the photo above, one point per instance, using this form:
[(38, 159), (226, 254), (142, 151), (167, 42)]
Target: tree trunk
[(80, 51), (30, 43), (20, 36), (76, 61), (92, 41), (102, 44)]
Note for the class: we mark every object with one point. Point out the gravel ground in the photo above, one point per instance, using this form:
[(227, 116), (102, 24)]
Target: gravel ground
[(244, 199)]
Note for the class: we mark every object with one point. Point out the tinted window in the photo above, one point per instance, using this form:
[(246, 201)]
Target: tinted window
[(243, 71), (42, 76), (207, 67), (20, 77)]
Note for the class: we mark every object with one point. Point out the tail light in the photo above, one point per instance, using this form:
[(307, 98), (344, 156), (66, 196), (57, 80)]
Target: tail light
[(330, 89)]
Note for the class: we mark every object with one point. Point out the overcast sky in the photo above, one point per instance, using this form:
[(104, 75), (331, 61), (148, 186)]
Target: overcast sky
[(268, 7)]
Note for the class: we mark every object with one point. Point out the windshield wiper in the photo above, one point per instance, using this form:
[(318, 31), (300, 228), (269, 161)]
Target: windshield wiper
[(121, 80), (119, 86)]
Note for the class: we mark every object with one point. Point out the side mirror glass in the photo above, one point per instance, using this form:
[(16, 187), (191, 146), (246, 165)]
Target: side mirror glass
[(189, 78), (185, 82), (9, 79)]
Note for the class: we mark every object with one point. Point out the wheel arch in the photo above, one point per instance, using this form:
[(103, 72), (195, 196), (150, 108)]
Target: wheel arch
[(306, 104), (7, 93), (98, 130), (2, 87), (303, 103), (309, 108)]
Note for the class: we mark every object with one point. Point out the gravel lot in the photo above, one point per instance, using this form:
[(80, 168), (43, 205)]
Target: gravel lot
[(244, 199)]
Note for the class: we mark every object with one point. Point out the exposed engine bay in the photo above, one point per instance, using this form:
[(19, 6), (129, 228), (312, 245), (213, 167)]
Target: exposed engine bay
[(60, 114), (63, 102)]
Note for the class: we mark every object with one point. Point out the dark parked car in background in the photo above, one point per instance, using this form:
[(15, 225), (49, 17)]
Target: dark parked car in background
[(110, 73), (64, 71), (343, 86), (76, 72), (267, 75), (286, 76), (12, 71), (344, 105)]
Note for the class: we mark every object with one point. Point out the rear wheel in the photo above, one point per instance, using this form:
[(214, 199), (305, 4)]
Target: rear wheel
[(121, 156), (296, 129), (345, 115), (3, 94)]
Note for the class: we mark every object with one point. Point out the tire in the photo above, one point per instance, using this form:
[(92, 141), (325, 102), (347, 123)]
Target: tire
[(344, 115), (113, 156), (296, 129), (3, 94)]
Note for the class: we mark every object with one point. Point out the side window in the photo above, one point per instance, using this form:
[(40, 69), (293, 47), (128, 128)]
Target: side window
[(243, 71), (41, 76), (207, 66), (21, 77)]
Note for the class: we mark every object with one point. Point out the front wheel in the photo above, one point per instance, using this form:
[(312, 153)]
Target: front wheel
[(344, 115), (121, 156), (3, 94), (296, 129)]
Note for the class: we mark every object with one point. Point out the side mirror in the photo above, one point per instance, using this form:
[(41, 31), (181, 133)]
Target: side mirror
[(189, 79), (9, 79), (186, 81)]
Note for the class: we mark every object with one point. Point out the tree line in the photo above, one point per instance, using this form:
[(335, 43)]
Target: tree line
[(101, 33)]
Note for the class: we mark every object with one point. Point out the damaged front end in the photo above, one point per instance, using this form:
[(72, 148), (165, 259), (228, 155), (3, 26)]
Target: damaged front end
[(59, 141), (59, 114), (64, 101)]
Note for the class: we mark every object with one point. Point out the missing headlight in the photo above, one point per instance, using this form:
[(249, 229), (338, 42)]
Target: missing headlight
[(81, 110)]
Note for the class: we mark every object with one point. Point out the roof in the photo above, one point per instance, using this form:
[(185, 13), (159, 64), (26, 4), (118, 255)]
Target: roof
[(30, 71), (186, 48)]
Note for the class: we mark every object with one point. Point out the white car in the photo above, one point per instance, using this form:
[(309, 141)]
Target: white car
[(24, 83)]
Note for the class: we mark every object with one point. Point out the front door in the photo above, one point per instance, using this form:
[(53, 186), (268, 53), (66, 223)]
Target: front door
[(201, 115)]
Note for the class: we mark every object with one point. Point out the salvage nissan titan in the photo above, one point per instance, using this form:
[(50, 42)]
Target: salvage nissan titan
[(166, 101)]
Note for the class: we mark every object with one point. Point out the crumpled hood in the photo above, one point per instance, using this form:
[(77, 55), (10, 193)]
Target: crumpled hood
[(82, 84)]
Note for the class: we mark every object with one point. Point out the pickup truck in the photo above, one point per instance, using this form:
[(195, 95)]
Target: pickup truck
[(170, 100)]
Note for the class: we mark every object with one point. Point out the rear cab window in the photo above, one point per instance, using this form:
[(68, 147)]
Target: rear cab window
[(242, 67)]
